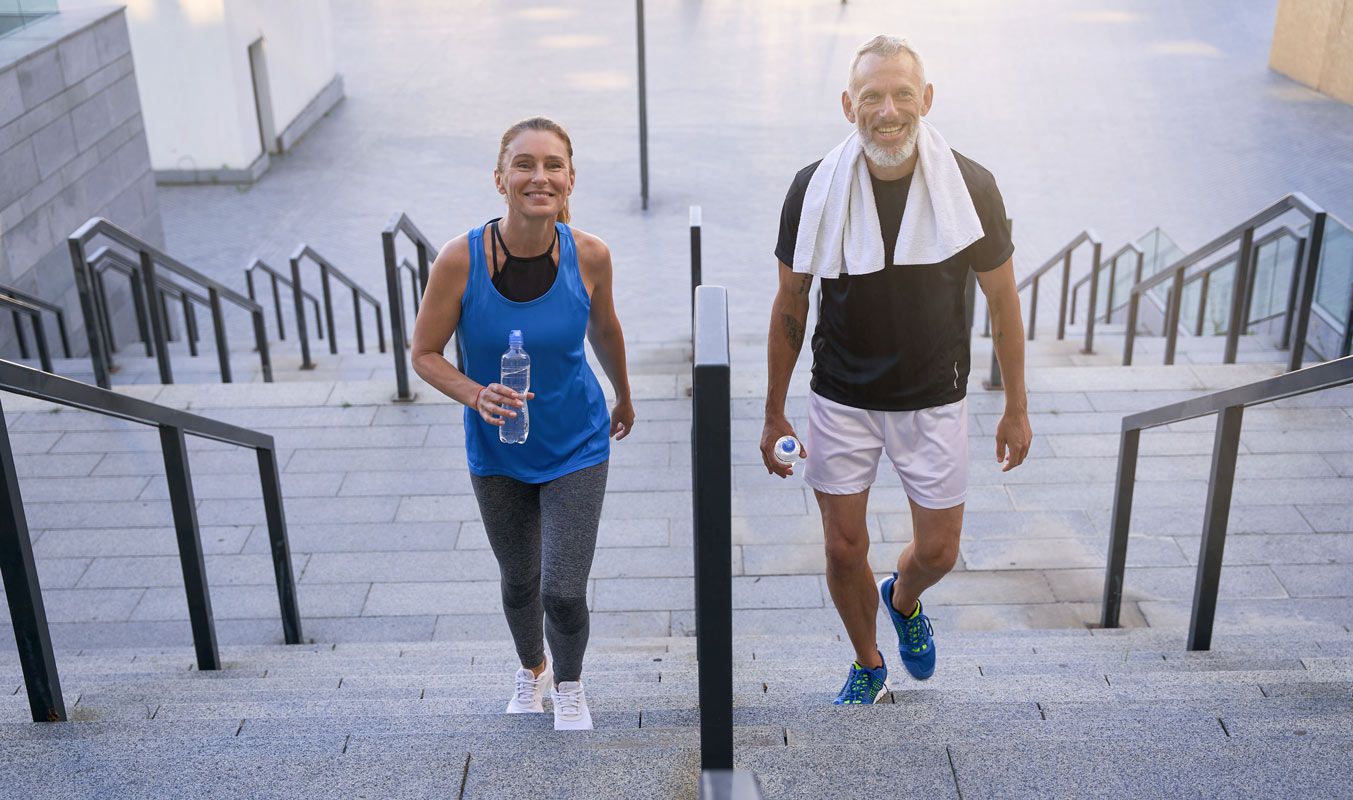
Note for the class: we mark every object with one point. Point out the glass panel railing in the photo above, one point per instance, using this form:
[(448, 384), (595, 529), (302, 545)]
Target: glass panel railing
[(1272, 277), (1334, 278), (1217, 315), (14, 14), (1161, 251)]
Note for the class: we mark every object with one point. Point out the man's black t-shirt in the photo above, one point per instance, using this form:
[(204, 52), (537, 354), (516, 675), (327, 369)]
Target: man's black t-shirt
[(896, 339)]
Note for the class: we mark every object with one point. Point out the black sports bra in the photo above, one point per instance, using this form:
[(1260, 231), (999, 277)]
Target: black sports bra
[(522, 280)]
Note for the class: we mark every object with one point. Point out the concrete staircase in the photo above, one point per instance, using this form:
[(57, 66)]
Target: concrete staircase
[(1080, 713)]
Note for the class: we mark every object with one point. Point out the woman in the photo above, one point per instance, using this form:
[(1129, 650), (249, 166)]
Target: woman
[(540, 500)]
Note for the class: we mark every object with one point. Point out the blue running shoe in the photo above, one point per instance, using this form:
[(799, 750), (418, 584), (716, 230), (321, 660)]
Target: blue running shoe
[(863, 685), (915, 639)]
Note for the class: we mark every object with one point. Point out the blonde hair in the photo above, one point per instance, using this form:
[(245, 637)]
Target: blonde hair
[(538, 124), (884, 46)]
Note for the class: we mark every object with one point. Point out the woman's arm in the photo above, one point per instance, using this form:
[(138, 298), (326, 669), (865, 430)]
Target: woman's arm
[(438, 316), (603, 328)]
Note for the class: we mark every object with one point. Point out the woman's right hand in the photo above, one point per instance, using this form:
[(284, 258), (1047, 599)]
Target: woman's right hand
[(491, 399)]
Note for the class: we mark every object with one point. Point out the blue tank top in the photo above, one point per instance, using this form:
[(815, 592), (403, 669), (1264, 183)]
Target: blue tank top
[(569, 423)]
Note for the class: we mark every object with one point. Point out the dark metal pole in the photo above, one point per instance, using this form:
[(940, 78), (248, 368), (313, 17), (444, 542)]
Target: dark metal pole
[(281, 551), (261, 344), (711, 480), (357, 319), (299, 299), (97, 355), (1066, 287), (1314, 244), (1204, 286), (190, 546), (1094, 298), (1294, 284), (643, 107), (1130, 334), (1239, 287), (398, 339), (277, 304), (328, 309), (158, 318), (218, 327), (1119, 527), (1033, 309), (696, 276), (27, 615), (23, 340), (1174, 300), (189, 323), (142, 316), (1219, 485), (1113, 281), (40, 335)]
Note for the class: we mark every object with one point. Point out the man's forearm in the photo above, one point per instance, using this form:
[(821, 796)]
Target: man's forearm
[(787, 321), (1007, 338)]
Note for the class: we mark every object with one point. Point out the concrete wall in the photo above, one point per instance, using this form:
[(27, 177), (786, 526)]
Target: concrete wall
[(197, 87), (1313, 44), (72, 146)]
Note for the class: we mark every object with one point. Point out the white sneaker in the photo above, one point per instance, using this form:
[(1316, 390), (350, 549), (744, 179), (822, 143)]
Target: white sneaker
[(570, 707), (529, 697)]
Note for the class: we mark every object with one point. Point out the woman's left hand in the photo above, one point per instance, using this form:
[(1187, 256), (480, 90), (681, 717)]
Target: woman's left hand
[(622, 420)]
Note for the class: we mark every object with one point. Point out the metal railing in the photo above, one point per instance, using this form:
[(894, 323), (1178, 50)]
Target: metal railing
[(1204, 280), (1243, 236), (151, 259), (275, 277), (32, 307), (27, 613), (399, 332), (1229, 406), (1062, 256), (1110, 264), (106, 258), (326, 272)]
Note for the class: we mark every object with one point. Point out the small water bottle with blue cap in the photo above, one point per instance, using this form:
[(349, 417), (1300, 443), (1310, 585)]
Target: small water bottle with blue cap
[(516, 375), (786, 449)]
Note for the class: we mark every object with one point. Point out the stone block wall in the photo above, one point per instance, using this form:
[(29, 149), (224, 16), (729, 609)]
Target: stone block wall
[(72, 146), (1313, 44)]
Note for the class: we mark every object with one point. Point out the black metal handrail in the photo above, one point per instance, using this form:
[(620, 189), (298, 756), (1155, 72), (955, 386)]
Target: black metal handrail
[(1111, 264), (399, 331), (711, 481), (1228, 405), (1062, 256), (27, 613), (1243, 234), (275, 278), (326, 271), (42, 305), (19, 309), (151, 259), (106, 258)]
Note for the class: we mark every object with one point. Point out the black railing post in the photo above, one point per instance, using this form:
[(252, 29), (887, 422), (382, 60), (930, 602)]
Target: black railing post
[(277, 304), (101, 292), (190, 546), (380, 329), (189, 323), (40, 334), (261, 344), (27, 615), (1204, 286), (158, 318), (142, 316), (357, 320), (711, 479), (23, 340), (1239, 289), (1130, 333), (98, 357), (1094, 298), (299, 298), (219, 329), (1066, 287), (643, 105), (1218, 509), (398, 338), (1314, 244), (277, 539), (696, 278), (1119, 527), (1174, 300), (1033, 309), (1113, 282), (1293, 286), (328, 308)]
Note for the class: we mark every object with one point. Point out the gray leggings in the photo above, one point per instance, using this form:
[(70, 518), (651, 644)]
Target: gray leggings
[(544, 535)]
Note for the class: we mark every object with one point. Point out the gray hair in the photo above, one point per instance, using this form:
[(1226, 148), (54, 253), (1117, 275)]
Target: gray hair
[(884, 46)]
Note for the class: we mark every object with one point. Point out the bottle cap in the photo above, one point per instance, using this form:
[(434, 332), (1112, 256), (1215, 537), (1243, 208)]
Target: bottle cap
[(514, 339)]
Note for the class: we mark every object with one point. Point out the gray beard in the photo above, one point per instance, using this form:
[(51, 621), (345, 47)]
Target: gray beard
[(884, 157)]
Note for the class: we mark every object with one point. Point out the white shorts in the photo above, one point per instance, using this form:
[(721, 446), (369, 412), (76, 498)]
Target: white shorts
[(928, 448)]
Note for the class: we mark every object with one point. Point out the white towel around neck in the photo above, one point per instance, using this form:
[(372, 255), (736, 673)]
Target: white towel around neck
[(839, 227)]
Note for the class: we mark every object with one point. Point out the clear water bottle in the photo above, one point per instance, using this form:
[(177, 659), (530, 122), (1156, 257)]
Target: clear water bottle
[(786, 449), (517, 377)]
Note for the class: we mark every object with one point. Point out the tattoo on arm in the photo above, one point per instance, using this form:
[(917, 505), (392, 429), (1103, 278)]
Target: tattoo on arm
[(998, 336), (793, 330), (805, 283)]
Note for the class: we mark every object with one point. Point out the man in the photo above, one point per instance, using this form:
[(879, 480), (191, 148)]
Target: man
[(890, 351)]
